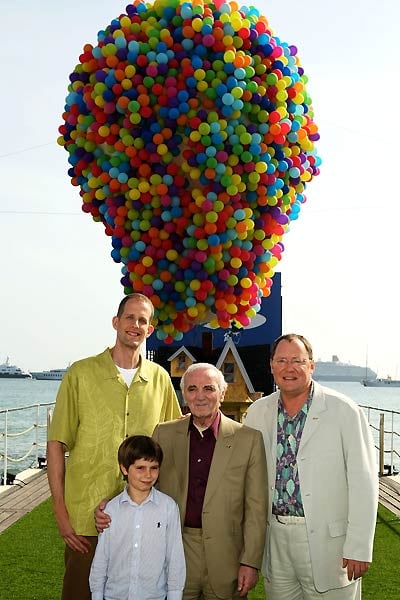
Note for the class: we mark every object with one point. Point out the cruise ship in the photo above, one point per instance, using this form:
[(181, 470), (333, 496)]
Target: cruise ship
[(335, 370), (52, 375), (9, 371), (381, 382)]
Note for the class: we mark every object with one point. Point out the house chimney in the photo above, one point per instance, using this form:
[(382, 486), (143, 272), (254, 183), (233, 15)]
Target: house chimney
[(207, 343)]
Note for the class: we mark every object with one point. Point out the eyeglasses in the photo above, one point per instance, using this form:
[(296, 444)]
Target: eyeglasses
[(294, 362)]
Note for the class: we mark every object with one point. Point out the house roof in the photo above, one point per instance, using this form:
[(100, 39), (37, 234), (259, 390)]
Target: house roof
[(254, 358), (179, 351), (231, 346)]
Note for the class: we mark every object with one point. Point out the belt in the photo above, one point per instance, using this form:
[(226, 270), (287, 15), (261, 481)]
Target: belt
[(289, 519)]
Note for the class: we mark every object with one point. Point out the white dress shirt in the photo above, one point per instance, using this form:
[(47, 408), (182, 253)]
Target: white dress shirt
[(141, 554)]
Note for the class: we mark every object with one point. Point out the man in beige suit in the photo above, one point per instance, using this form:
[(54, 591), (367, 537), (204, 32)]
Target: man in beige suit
[(323, 479), (215, 469)]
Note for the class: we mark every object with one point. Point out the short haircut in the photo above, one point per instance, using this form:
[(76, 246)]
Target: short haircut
[(136, 447), (139, 298), (289, 337), (222, 384)]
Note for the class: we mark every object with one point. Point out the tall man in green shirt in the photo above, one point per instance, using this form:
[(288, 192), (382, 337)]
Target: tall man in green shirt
[(102, 400)]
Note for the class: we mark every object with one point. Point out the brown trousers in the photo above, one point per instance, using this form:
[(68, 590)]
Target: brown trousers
[(77, 570)]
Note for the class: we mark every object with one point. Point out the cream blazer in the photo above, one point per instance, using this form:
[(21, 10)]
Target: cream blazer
[(338, 476), (235, 505)]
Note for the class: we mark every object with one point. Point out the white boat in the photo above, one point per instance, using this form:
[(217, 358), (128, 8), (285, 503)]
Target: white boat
[(9, 371), (52, 375), (336, 370), (381, 382)]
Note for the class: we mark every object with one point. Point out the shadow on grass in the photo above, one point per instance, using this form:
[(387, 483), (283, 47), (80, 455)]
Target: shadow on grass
[(390, 521)]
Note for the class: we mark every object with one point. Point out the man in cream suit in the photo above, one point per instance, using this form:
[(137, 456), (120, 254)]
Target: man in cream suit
[(216, 471), (323, 480)]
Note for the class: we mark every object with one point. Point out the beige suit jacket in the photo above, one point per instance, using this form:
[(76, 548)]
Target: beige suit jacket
[(338, 478), (235, 503)]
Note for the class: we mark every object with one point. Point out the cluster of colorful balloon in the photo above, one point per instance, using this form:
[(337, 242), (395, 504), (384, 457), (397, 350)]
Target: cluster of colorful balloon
[(191, 136)]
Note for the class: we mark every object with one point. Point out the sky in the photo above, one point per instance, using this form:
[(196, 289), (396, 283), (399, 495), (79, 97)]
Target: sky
[(59, 285)]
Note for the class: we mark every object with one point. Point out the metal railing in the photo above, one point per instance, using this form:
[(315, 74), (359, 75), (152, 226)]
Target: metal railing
[(386, 437), (376, 417), (10, 432)]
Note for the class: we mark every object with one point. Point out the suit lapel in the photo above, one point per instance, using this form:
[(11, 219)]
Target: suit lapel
[(222, 454), (317, 408), (270, 424), (181, 459), (270, 435)]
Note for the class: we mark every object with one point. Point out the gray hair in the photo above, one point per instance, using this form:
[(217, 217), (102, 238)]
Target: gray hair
[(222, 384)]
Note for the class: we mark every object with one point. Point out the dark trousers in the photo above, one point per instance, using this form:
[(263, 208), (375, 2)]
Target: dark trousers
[(77, 570)]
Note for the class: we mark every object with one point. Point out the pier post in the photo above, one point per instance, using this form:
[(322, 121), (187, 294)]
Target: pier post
[(49, 417), (37, 436), (392, 447), (381, 444), (5, 448)]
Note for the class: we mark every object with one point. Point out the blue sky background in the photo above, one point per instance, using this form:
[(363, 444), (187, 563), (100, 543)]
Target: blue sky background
[(59, 286)]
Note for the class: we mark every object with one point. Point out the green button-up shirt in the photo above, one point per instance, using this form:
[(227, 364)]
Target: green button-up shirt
[(93, 414)]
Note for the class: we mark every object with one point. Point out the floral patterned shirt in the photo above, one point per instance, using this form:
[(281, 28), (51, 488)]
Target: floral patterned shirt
[(287, 494)]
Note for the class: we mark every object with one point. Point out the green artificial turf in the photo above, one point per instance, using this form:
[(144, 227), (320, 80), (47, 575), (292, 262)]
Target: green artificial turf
[(382, 580), (31, 559)]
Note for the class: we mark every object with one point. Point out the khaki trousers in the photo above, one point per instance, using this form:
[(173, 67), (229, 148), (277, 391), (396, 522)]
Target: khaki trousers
[(292, 577), (197, 586)]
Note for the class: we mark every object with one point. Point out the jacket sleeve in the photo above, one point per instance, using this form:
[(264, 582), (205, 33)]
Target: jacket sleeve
[(363, 488), (255, 506)]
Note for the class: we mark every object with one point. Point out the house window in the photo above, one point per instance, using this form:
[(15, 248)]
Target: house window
[(181, 362), (229, 372)]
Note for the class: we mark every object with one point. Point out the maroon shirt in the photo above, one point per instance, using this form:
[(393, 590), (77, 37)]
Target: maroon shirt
[(201, 450)]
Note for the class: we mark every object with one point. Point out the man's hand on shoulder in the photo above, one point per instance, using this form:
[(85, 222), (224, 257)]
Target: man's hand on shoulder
[(102, 519)]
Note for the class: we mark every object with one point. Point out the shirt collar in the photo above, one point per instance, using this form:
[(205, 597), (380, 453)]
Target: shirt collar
[(143, 366), (125, 497), (306, 406), (214, 425)]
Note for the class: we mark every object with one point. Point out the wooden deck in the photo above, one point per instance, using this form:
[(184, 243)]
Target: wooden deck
[(22, 497), (389, 493)]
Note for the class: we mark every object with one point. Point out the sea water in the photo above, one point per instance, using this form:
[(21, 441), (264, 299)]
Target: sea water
[(382, 399), (27, 431), (16, 393)]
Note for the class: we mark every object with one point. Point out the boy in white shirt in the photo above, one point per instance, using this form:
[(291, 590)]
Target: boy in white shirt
[(140, 555)]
